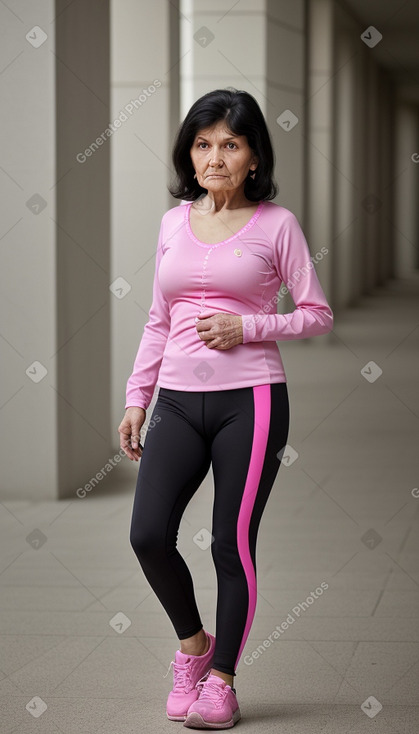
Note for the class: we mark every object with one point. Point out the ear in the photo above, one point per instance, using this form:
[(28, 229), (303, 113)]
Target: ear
[(254, 163)]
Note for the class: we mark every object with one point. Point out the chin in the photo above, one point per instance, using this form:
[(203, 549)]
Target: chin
[(217, 183)]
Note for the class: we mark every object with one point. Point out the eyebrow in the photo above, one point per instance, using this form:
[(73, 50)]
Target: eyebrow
[(231, 137)]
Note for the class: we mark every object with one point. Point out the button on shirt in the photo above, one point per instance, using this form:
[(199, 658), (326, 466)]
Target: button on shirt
[(247, 275)]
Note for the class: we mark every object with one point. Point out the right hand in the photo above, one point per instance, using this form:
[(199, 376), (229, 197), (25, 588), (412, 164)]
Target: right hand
[(129, 432)]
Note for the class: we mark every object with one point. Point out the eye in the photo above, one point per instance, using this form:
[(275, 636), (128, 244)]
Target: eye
[(233, 144), (199, 145)]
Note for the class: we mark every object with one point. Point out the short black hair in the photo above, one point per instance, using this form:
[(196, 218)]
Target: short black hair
[(242, 116)]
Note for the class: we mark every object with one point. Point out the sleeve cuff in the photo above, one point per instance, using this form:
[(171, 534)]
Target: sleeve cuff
[(249, 328)]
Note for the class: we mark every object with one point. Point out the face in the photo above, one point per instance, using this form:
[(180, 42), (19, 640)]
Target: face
[(221, 160)]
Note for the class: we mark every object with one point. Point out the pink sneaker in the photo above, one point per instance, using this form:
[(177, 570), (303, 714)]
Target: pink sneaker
[(216, 707), (187, 671)]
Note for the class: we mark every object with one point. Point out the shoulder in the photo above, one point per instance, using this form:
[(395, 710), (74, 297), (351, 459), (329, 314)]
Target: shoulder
[(278, 215), (175, 215), (283, 228), (172, 220)]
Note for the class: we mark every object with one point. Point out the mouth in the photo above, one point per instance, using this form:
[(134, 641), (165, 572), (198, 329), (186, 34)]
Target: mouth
[(215, 175)]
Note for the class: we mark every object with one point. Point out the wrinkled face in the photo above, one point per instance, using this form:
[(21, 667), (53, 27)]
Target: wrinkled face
[(221, 160)]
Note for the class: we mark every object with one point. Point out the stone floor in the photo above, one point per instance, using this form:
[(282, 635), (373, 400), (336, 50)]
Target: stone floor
[(85, 646)]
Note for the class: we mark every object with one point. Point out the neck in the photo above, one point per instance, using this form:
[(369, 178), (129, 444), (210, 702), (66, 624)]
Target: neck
[(222, 200)]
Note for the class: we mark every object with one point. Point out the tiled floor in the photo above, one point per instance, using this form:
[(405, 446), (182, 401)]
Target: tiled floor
[(344, 512)]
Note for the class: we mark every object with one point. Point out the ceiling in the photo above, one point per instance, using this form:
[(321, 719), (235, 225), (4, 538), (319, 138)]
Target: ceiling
[(398, 51)]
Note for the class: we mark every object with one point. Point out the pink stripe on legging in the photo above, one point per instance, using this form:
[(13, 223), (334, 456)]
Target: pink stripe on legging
[(262, 408)]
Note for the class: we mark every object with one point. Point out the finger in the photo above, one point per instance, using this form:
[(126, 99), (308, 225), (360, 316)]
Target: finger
[(206, 335), (137, 449), (133, 452), (135, 437), (135, 445), (207, 313), (204, 324), (223, 345), (126, 448)]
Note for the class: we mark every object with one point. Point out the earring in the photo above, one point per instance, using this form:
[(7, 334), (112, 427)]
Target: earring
[(252, 175), (195, 175)]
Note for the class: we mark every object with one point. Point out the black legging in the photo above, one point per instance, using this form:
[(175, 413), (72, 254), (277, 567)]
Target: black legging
[(241, 431)]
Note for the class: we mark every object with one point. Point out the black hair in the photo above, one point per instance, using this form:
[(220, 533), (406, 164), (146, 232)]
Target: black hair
[(242, 116)]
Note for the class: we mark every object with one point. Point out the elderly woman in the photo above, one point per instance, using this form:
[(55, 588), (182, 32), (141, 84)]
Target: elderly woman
[(210, 345)]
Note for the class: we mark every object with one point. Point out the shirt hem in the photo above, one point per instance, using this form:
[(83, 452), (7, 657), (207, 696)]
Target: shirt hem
[(223, 386)]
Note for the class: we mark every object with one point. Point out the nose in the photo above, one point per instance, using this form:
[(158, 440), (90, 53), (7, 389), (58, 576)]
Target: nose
[(215, 157)]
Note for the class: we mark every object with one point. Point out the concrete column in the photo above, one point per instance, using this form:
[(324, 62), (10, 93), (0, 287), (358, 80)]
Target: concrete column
[(55, 239), (407, 189), (285, 108), (221, 47), (360, 245), (372, 202), (385, 265), (82, 242), (144, 77), (320, 106), (286, 92), (375, 139), (345, 218)]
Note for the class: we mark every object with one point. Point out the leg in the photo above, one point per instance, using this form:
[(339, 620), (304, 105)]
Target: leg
[(175, 461), (196, 645), (252, 427)]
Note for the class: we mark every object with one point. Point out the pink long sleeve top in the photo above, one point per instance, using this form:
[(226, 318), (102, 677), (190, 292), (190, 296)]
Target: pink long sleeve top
[(247, 275)]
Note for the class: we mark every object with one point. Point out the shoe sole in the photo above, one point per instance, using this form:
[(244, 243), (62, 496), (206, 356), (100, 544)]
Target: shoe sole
[(177, 718), (195, 721)]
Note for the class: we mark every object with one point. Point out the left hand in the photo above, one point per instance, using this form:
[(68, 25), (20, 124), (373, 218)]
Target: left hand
[(220, 331)]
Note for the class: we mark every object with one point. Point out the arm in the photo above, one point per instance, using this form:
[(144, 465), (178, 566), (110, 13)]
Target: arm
[(312, 315), (141, 383)]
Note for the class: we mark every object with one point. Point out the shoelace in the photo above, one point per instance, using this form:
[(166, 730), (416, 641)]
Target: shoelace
[(182, 675), (209, 691)]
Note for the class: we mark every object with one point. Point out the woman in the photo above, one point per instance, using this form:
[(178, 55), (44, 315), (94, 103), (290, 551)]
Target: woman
[(210, 346)]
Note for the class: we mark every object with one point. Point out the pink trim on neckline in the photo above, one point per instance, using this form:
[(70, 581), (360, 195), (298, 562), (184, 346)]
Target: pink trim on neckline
[(244, 229)]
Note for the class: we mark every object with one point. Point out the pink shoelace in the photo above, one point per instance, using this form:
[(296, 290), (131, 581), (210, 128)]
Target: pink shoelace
[(182, 676), (210, 691)]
